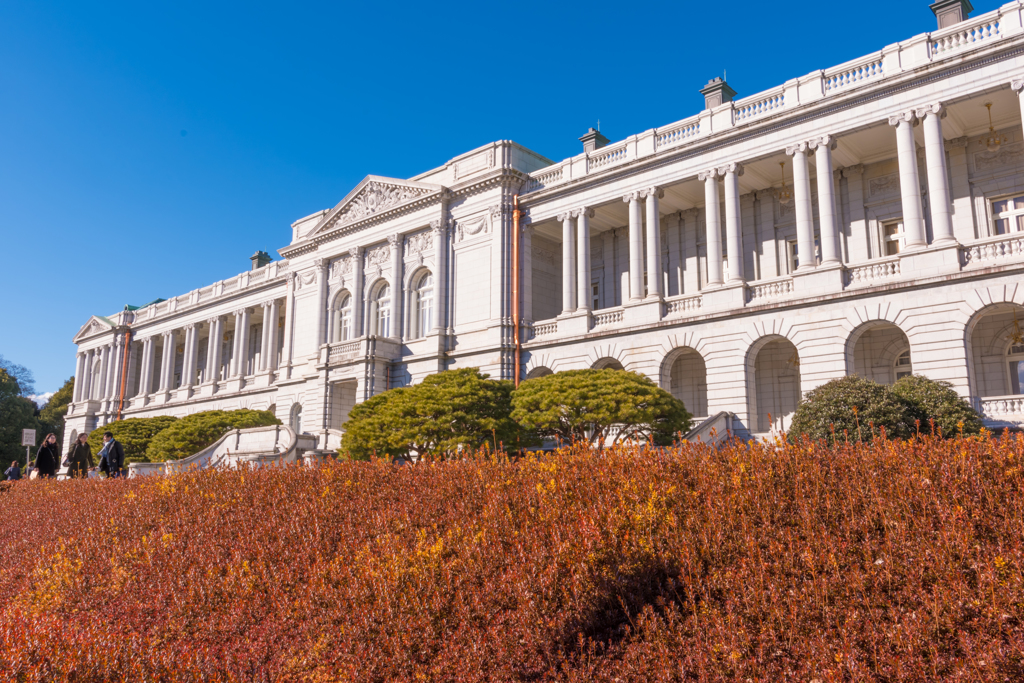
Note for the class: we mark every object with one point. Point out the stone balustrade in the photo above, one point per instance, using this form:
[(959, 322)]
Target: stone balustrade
[(761, 292), (993, 249), (998, 407), (544, 329), (872, 272), (609, 317), (683, 305)]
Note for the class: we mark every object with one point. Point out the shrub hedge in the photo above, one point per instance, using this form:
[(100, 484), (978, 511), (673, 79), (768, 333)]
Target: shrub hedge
[(193, 433), (883, 561), (134, 433)]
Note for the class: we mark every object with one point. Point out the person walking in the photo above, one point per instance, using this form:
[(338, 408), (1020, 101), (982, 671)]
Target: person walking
[(13, 473), (48, 457), (113, 453), (80, 457)]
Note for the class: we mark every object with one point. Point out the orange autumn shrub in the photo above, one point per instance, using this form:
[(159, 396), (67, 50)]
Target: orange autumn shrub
[(885, 561)]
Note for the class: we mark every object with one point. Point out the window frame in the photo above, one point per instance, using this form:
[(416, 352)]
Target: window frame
[(1008, 216), (1013, 357)]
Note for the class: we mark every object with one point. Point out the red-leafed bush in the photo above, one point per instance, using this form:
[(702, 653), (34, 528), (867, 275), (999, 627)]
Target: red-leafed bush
[(884, 561)]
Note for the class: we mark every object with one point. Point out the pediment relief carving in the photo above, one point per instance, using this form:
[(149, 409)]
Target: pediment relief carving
[(375, 195), (93, 327)]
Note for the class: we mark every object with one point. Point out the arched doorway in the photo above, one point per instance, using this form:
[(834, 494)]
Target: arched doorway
[(687, 379), (608, 364), (295, 418), (879, 351), (774, 367), (996, 344)]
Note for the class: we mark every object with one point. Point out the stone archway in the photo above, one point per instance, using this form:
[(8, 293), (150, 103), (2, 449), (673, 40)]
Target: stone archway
[(879, 351), (687, 376), (773, 383)]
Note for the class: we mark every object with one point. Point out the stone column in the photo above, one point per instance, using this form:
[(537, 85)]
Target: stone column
[(712, 227), (321, 301), (938, 181), (90, 360), (437, 232), (191, 355), (265, 339), (79, 377), (99, 389), (583, 216), (275, 315), (568, 265), (397, 286), (960, 190), (165, 361), (636, 248), (526, 278), (654, 269), (910, 184), (146, 367), (828, 217), (243, 319), (289, 322), (802, 204), (357, 254), (733, 224), (233, 369), (213, 349), (675, 266)]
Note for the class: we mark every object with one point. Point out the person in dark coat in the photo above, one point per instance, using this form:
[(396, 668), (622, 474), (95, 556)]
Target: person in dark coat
[(13, 473), (113, 453), (80, 457), (48, 457)]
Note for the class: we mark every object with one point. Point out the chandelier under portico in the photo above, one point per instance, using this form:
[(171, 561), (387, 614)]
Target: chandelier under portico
[(784, 194), (994, 141)]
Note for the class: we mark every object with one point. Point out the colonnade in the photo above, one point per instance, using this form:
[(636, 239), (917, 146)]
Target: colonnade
[(154, 358), (576, 231)]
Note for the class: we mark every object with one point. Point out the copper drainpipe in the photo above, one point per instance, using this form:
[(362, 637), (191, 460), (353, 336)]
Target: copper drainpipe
[(124, 369), (515, 283)]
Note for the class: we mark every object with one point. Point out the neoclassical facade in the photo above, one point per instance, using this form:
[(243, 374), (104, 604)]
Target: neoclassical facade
[(866, 218)]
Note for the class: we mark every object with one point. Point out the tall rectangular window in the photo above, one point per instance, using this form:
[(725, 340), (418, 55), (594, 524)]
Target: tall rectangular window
[(893, 238), (1007, 215)]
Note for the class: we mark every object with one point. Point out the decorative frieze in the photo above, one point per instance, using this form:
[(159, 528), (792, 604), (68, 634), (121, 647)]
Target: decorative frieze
[(376, 197)]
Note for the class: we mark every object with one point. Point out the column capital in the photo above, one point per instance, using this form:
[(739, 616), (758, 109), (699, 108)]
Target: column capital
[(766, 193), (214, 320), (393, 239), (902, 117), (582, 211), (268, 303), (242, 311), (652, 191), (828, 141), (189, 326), (1017, 84), (438, 226), (734, 168), (690, 213), (562, 217), (937, 108), (631, 197), (850, 171), (960, 142), (711, 173), (321, 263), (798, 147)]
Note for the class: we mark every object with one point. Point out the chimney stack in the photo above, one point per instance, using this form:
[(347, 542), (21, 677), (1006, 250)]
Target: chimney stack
[(260, 259), (592, 140), (716, 92), (949, 12)]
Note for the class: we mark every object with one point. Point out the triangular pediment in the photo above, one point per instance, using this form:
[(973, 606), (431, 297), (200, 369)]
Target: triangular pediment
[(95, 325), (374, 195)]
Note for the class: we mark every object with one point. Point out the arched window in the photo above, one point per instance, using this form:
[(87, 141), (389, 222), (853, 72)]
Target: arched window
[(423, 306), (343, 318), (1015, 363), (902, 365), (296, 418), (382, 311)]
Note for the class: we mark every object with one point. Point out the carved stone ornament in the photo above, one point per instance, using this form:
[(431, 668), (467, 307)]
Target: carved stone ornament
[(305, 279), (341, 268), (1008, 155), (468, 228), (710, 173), (376, 197), (824, 141), (902, 117), (1017, 84), (378, 255), (798, 147), (418, 243), (731, 168), (884, 185), (629, 197), (933, 108)]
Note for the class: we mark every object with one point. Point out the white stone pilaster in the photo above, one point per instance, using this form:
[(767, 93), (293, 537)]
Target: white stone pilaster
[(568, 264), (79, 376), (827, 214), (583, 216), (321, 302), (275, 331)]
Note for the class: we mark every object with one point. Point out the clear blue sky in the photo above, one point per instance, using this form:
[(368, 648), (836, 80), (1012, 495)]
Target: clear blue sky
[(150, 148)]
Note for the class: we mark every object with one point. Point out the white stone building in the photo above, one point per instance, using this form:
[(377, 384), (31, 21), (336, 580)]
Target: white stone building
[(867, 218)]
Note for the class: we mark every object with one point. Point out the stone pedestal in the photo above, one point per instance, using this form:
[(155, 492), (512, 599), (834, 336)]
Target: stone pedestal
[(643, 312), (934, 261), (729, 296), (574, 323), (818, 281)]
